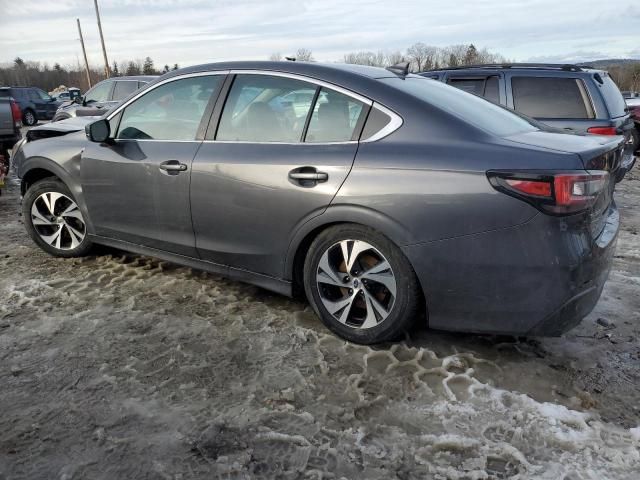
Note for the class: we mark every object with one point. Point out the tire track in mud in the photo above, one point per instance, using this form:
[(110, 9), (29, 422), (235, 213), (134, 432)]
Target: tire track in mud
[(120, 366)]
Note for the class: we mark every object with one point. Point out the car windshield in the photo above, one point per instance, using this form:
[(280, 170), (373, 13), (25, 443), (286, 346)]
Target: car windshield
[(466, 106)]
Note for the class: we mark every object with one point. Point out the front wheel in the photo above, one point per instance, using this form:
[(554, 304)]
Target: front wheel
[(53, 219), (361, 285)]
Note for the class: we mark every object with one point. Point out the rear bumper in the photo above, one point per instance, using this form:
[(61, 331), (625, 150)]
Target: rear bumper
[(539, 278)]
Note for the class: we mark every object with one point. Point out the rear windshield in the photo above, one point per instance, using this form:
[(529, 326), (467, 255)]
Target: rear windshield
[(612, 97), (475, 110), (5, 93)]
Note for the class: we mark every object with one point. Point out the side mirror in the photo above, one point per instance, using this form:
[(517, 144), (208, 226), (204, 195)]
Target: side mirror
[(98, 131)]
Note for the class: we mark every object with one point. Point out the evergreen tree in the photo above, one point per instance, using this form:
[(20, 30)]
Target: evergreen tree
[(147, 68)]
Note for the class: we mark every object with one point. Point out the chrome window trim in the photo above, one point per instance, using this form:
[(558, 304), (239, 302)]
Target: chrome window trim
[(394, 124), (247, 142), (164, 82), (315, 81)]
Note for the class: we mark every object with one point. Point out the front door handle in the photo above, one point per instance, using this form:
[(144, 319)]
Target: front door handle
[(173, 167), (307, 176)]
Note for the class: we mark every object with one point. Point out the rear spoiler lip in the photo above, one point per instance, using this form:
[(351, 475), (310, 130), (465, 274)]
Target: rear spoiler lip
[(622, 163)]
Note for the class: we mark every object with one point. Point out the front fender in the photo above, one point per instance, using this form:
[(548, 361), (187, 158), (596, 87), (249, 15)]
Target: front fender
[(69, 174)]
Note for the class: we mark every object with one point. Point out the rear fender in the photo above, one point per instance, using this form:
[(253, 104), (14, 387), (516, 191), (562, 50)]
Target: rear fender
[(336, 214)]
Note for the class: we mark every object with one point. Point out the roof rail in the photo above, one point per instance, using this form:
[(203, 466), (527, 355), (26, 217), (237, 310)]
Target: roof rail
[(545, 66)]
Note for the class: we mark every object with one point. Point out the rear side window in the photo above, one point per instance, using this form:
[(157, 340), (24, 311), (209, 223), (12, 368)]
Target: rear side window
[(264, 108), (123, 89), (334, 118), (471, 85), (612, 97), (486, 87), (549, 97)]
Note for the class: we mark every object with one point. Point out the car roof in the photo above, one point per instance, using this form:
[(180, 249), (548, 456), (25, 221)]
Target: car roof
[(143, 78), (304, 68)]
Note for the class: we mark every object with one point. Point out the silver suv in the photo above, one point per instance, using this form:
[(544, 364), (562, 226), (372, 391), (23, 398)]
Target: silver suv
[(102, 97)]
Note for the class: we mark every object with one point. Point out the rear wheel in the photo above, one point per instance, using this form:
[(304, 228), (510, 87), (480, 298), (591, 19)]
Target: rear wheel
[(53, 219), (361, 285), (29, 117)]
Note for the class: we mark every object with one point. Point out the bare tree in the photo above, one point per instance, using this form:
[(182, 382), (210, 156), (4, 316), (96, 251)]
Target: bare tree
[(396, 57), (372, 59), (421, 56), (275, 57), (304, 55)]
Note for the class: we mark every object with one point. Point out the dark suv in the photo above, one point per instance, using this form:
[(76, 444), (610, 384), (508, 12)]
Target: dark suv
[(35, 104), (569, 97), (102, 97)]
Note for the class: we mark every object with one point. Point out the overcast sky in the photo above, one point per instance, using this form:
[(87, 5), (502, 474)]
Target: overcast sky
[(198, 31)]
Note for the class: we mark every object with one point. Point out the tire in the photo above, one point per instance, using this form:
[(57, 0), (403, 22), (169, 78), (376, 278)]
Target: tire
[(60, 231), (29, 117), (635, 138), (329, 284)]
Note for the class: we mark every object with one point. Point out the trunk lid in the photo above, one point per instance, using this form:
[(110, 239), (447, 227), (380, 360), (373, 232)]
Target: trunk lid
[(597, 153)]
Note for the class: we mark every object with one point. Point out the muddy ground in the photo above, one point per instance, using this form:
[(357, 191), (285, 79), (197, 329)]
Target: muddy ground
[(118, 366)]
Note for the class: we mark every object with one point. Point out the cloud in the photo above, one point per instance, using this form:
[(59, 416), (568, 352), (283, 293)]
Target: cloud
[(199, 31)]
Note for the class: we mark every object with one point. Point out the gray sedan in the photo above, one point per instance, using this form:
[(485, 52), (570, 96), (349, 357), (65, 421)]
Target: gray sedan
[(381, 196)]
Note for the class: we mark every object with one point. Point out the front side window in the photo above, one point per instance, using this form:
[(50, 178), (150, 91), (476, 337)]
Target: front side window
[(172, 111), (43, 95), (264, 108), (549, 97), (99, 93), (335, 117), (123, 89)]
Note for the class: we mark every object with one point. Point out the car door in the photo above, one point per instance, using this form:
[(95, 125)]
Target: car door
[(38, 103), (136, 185), (282, 147), (121, 90), (94, 100)]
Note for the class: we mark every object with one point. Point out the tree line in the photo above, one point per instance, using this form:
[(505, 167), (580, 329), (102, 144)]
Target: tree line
[(419, 55), (37, 74)]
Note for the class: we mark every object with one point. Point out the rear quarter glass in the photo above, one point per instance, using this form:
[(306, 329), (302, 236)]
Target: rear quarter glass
[(612, 97)]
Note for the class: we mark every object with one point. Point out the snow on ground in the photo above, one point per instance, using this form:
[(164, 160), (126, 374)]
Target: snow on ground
[(121, 366)]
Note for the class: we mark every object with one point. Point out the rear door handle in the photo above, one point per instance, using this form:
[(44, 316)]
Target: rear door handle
[(173, 166)]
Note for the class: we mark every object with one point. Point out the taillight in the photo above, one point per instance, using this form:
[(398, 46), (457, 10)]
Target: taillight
[(603, 130), (16, 114), (556, 193)]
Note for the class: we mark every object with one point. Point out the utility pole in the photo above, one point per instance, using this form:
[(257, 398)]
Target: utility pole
[(84, 52), (107, 70)]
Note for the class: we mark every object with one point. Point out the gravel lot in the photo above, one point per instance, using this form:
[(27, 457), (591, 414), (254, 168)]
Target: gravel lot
[(117, 366)]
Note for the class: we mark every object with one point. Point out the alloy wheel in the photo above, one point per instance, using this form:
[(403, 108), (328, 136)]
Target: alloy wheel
[(356, 283), (58, 221), (30, 118)]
